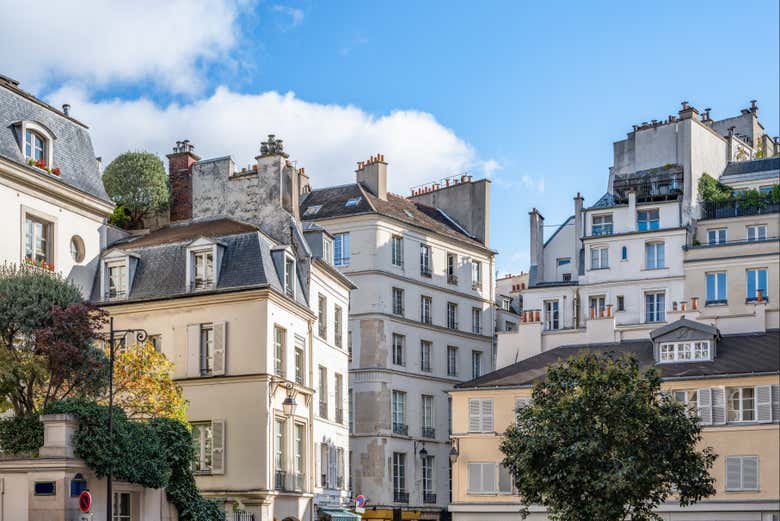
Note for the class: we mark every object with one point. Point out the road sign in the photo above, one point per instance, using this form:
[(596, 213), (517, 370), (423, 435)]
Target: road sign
[(85, 501), (360, 504)]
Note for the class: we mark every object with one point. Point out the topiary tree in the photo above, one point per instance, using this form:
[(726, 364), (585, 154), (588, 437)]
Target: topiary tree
[(600, 442), (137, 182)]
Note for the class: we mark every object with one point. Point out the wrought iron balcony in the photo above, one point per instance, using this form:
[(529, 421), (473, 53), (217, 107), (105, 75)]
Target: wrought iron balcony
[(452, 278), (297, 482), (399, 496), (425, 271), (733, 208), (428, 432), (324, 410), (201, 284), (658, 184), (429, 498), (401, 428), (281, 480), (339, 415)]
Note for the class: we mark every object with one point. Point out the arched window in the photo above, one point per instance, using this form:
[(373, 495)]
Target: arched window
[(624, 253), (34, 146)]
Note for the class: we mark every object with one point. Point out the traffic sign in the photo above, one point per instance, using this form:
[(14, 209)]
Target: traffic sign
[(85, 501), (360, 504)]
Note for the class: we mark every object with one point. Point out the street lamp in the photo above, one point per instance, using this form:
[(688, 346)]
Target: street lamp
[(288, 405), (454, 452), (140, 336)]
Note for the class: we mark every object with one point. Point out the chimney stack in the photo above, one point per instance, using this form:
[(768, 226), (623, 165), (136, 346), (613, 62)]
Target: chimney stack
[(578, 231), (537, 247), (180, 163), (372, 174), (754, 106), (66, 109), (688, 112)]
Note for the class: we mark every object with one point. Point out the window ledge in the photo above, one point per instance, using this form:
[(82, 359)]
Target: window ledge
[(599, 269), (655, 269)]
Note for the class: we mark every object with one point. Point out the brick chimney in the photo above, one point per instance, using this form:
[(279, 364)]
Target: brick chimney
[(537, 247), (180, 163), (372, 174), (688, 112)]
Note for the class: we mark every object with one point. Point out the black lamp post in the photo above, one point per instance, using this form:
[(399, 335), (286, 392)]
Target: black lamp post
[(140, 336)]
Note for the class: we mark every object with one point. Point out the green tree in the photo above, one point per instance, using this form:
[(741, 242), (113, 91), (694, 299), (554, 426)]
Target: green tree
[(599, 442), (710, 189), (137, 182)]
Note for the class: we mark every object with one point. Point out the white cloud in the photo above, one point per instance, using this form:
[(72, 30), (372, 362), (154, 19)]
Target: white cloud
[(326, 139), (295, 15), (97, 42), (522, 182)]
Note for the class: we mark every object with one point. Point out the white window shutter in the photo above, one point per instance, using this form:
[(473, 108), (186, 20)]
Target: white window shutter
[(193, 350), (489, 477), (733, 473), (704, 405), (475, 423), (750, 472), (475, 477), (776, 402), (220, 348), (218, 446), (764, 403), (504, 480), (718, 406), (487, 415)]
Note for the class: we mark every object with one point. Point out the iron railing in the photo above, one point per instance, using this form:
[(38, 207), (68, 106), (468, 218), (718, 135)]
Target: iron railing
[(733, 208), (324, 410), (339, 415), (240, 516), (399, 496), (281, 480), (452, 278), (428, 432), (401, 428), (429, 498)]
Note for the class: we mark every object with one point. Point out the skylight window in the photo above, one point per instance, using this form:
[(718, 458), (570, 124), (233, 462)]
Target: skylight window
[(353, 202), (408, 213), (312, 210)]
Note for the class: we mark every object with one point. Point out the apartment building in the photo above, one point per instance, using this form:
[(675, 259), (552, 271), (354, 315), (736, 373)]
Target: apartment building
[(420, 322), (509, 301), (53, 203), (732, 382), (247, 305), (625, 256)]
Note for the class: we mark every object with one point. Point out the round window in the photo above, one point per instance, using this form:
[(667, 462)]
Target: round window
[(77, 248)]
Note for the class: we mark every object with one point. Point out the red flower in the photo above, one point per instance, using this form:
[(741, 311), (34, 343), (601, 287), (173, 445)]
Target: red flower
[(41, 163), (56, 171)]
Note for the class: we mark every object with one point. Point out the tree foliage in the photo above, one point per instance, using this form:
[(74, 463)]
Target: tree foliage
[(710, 189), (599, 442), (137, 182), (46, 340)]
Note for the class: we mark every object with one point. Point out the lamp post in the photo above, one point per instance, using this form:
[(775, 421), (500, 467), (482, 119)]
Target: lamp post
[(140, 336)]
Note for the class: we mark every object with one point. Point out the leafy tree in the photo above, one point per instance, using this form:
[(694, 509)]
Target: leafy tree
[(46, 340), (599, 442), (137, 181), (119, 218), (143, 386), (710, 189)]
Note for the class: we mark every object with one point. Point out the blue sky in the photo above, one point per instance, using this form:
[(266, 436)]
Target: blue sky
[(532, 94)]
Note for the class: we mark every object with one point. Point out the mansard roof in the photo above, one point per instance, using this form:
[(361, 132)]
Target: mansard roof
[(766, 166)]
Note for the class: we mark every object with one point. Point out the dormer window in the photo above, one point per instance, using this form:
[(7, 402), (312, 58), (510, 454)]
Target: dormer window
[(685, 351), (117, 269), (117, 280), (289, 276), (204, 270), (35, 142), (203, 261), (312, 210), (34, 146)]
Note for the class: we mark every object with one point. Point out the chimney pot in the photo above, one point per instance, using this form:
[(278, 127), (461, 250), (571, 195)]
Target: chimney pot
[(66, 109), (684, 105), (753, 105)]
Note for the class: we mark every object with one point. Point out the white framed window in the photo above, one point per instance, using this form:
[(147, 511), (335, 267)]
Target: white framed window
[(280, 450), (482, 478), (476, 321), (322, 317), (300, 361), (425, 309), (452, 268), (715, 288), (597, 305), (327, 250), (289, 276), (506, 483), (399, 349), (425, 260), (299, 454), (37, 240), (399, 476), (654, 256), (506, 304), (206, 349), (717, 236), (601, 224), (399, 411), (741, 473), (647, 220), (755, 280), (452, 315), (341, 255), (476, 364), (655, 306), (398, 301), (122, 506), (551, 315), (480, 415), (621, 303), (203, 264), (427, 416), (684, 351), (280, 349), (202, 441), (323, 390), (599, 258), (338, 326), (741, 404), (35, 145), (756, 233), (117, 280), (476, 274), (427, 476), (397, 250), (452, 361), (425, 356), (339, 384)]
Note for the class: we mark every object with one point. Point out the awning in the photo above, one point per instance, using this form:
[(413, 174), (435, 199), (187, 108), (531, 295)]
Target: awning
[(337, 514)]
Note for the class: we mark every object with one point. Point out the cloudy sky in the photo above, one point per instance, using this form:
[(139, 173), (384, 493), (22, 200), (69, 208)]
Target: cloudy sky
[(529, 95)]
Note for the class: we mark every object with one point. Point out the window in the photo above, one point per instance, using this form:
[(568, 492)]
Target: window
[(351, 410), (202, 442), (566, 277), (427, 416), (325, 465), (599, 258), (425, 356), (716, 288), (156, 341), (598, 305), (654, 255), (399, 412), (564, 262), (655, 307), (397, 247), (206, 349), (312, 210), (76, 248), (621, 303), (755, 281), (476, 364), (505, 481), (684, 351), (716, 236), (509, 326), (429, 492), (452, 315), (398, 301), (687, 398), (322, 319), (399, 478), (121, 506), (338, 326), (482, 478), (339, 398), (117, 280), (354, 201), (300, 363), (34, 146), (452, 361), (602, 224), (341, 249), (289, 276), (741, 404), (741, 473), (327, 250), (452, 268), (476, 321), (299, 447), (37, 236), (425, 309), (425, 260), (340, 467), (323, 390), (203, 261), (480, 415), (623, 253), (399, 349), (647, 220), (476, 274), (551, 316), (280, 347), (280, 446), (756, 233), (506, 304)]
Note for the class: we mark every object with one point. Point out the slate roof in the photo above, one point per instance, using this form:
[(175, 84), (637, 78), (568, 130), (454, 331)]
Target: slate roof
[(72, 152), (161, 269), (767, 165), (605, 201), (333, 200), (749, 353)]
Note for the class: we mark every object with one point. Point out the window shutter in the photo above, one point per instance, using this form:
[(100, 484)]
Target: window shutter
[(718, 406), (218, 446), (776, 402), (521, 402), (750, 472), (733, 473), (193, 350), (474, 416), (220, 347), (704, 405), (764, 403), (487, 415), (489, 477), (475, 477), (504, 480)]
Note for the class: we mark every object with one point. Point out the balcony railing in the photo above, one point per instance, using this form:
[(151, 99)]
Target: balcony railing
[(425, 271), (339, 415), (401, 428), (241, 516), (428, 432), (281, 480), (429, 498), (733, 208), (452, 278), (399, 496), (297, 484), (662, 184), (452, 324), (324, 410), (200, 284)]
